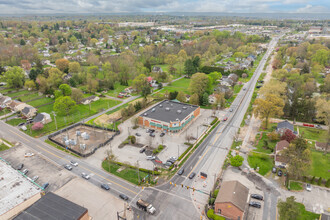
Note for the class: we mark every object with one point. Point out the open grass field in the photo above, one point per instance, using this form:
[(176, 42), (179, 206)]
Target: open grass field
[(264, 162), (20, 93), (319, 135), (261, 145), (179, 85), (296, 186), (29, 96), (15, 121), (118, 88), (3, 147), (306, 215), (41, 101), (320, 165)]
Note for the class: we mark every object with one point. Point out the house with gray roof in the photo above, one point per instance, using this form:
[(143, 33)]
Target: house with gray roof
[(43, 117), (29, 112), (283, 126)]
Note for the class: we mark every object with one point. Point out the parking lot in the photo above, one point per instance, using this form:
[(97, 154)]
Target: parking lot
[(37, 166)]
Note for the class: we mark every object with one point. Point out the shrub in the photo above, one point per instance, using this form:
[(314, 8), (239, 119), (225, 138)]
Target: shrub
[(327, 184), (211, 201), (132, 139), (313, 180), (37, 126), (211, 215), (214, 121), (319, 182), (215, 193)]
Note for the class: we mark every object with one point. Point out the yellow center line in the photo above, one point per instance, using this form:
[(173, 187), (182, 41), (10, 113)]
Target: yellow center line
[(20, 135)]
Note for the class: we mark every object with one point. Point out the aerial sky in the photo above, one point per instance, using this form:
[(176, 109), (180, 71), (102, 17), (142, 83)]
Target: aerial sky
[(112, 6)]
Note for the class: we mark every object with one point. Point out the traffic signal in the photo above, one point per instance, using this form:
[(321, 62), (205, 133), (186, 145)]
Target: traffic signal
[(187, 187), (182, 185)]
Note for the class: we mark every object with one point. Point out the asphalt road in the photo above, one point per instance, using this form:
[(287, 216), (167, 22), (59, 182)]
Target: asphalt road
[(170, 202)]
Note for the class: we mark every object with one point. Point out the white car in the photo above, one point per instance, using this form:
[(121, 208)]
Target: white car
[(73, 163), (35, 178), (85, 176), (173, 158), (28, 154), (151, 157), (308, 187)]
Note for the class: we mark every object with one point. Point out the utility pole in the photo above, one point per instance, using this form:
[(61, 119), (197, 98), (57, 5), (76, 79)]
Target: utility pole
[(55, 118)]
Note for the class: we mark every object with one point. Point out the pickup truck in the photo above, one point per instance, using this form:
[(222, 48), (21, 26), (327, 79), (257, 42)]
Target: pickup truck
[(145, 206)]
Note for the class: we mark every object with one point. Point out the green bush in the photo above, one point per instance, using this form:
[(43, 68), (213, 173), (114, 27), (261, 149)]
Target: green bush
[(132, 139), (214, 121), (313, 180), (215, 193), (211, 215), (211, 201), (319, 182), (133, 167), (327, 184)]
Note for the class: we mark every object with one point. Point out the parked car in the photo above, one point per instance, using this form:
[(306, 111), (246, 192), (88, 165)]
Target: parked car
[(152, 135), (137, 134), (225, 119), (244, 89), (150, 157), (73, 163), (123, 196), (20, 166), (28, 154), (173, 158), (142, 150), (35, 178), (105, 186), (231, 110), (274, 170), (68, 167), (25, 171), (162, 134), (168, 164), (152, 130), (192, 175), (45, 186), (85, 176), (255, 204), (318, 126), (21, 124), (279, 173), (257, 196), (308, 187), (181, 171)]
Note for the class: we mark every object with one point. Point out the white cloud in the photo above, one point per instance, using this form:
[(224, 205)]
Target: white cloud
[(312, 9)]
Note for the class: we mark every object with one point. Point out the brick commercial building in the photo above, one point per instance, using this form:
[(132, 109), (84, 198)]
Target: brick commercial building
[(231, 200), (169, 116)]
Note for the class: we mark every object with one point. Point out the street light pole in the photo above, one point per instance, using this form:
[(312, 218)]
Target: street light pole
[(55, 119)]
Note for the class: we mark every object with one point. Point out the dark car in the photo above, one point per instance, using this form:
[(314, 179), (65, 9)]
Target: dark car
[(142, 150), (151, 130), (255, 204), (137, 134), (274, 170), (45, 185), (152, 135), (181, 171), (25, 171), (171, 160), (21, 124), (192, 175), (279, 173), (105, 186), (168, 164), (20, 166), (162, 134), (123, 196), (257, 196)]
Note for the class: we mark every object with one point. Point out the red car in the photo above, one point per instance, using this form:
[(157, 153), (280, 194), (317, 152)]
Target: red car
[(225, 119)]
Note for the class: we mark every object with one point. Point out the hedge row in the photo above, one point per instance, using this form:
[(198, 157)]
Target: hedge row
[(214, 121), (133, 167)]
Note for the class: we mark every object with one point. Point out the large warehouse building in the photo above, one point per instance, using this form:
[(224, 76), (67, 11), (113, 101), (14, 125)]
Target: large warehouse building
[(169, 116)]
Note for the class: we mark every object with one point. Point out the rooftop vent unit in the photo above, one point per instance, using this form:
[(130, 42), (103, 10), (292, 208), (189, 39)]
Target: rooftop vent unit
[(184, 107), (160, 106), (179, 111), (167, 109), (171, 104), (177, 119), (152, 110), (145, 114), (167, 101)]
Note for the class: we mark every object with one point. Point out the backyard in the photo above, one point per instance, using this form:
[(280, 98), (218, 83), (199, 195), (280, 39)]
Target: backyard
[(319, 135), (263, 145), (320, 165), (264, 162)]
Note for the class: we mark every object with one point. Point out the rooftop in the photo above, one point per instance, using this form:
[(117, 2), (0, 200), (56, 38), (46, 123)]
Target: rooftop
[(169, 111), (52, 206), (14, 188)]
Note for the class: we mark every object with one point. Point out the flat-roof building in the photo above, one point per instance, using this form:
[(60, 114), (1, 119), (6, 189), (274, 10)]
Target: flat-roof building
[(170, 116), (16, 191)]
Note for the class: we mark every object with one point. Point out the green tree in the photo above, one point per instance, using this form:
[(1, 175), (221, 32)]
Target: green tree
[(93, 70), (77, 95), (298, 156), (64, 105), (322, 57), (55, 78), (65, 89), (236, 161), (30, 84), (62, 64), (215, 76), (14, 77), (181, 96), (74, 67), (199, 84), (194, 99), (22, 42), (288, 209), (141, 84), (205, 99), (189, 67), (323, 115)]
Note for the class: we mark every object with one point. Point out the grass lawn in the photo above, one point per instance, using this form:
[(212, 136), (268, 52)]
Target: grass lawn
[(61, 148), (18, 93), (4, 91), (118, 88), (236, 144), (3, 147), (313, 133), (179, 85), (306, 215), (264, 162), (41, 101), (271, 127), (29, 97), (128, 174), (295, 186), (320, 165), (237, 88), (4, 112), (260, 144), (15, 121)]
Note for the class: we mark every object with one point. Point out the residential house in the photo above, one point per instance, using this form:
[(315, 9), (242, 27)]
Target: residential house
[(233, 77), (187, 98), (12, 104), (129, 89), (279, 159), (212, 98), (89, 99), (43, 117), (67, 77), (29, 112), (4, 100), (152, 82), (322, 146), (283, 126), (227, 82), (157, 69), (231, 200), (21, 106), (222, 88)]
